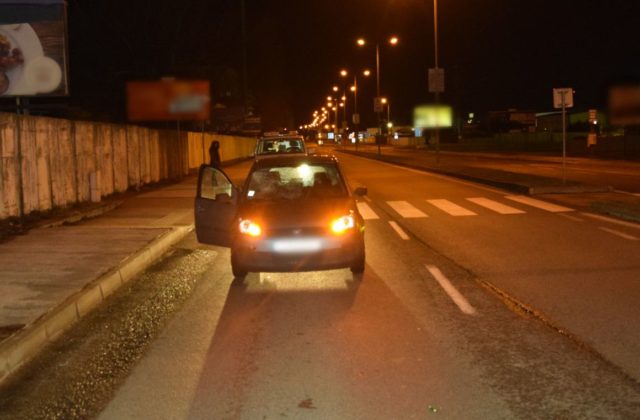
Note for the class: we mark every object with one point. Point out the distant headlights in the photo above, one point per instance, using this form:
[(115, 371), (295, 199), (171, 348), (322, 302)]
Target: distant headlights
[(247, 227), (342, 224)]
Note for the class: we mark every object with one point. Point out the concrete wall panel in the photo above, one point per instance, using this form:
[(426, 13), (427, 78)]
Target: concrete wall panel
[(48, 163)]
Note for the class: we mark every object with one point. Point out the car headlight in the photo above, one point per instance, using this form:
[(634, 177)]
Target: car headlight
[(342, 224), (248, 227)]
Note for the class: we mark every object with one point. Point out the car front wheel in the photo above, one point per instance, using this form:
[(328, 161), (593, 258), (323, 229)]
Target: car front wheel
[(238, 270)]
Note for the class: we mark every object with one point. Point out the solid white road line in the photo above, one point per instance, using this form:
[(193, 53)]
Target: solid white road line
[(366, 212), (401, 233), (554, 208), (620, 234), (453, 293), (405, 209), (451, 208), (611, 220), (495, 206)]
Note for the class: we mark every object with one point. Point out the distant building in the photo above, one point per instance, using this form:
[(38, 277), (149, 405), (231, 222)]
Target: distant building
[(511, 120), (576, 121)]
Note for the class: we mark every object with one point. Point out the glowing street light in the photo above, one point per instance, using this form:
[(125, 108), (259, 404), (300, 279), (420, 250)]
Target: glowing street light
[(393, 40), (354, 89)]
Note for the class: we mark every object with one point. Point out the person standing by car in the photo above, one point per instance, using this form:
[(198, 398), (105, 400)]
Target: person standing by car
[(214, 154)]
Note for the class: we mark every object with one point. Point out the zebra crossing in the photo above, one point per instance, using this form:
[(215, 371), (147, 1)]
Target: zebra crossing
[(467, 207)]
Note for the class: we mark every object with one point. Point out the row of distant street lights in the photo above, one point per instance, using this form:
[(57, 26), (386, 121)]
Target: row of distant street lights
[(322, 118), (436, 86)]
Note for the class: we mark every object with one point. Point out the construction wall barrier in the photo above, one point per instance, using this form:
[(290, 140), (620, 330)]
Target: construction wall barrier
[(48, 163)]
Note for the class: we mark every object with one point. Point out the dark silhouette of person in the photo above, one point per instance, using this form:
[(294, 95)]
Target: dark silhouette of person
[(214, 153)]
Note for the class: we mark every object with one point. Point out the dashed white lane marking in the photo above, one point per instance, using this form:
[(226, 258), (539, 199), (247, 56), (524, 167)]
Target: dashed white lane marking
[(451, 208), (453, 293), (620, 234), (611, 220), (405, 209), (366, 212), (401, 233), (495, 206), (554, 208)]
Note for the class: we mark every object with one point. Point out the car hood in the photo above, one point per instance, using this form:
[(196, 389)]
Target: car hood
[(309, 213)]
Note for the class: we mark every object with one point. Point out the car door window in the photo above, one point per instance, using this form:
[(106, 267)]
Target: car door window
[(214, 185)]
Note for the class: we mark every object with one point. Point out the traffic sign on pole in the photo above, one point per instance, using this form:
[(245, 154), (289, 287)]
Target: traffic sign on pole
[(436, 80)]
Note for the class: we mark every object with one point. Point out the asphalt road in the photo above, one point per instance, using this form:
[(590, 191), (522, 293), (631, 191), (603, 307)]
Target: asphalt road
[(435, 327), (475, 304)]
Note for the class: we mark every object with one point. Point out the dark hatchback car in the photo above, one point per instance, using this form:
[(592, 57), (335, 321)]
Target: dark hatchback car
[(294, 213)]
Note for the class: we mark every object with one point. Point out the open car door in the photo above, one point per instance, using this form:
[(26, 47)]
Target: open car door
[(215, 206)]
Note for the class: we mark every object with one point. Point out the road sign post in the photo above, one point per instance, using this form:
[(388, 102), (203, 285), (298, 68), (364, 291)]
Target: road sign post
[(563, 98), (436, 86)]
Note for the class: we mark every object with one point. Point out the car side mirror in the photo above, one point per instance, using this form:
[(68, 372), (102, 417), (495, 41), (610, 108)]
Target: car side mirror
[(360, 191)]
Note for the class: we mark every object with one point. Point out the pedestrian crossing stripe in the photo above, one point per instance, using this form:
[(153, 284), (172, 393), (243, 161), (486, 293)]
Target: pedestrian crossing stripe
[(451, 208), (494, 205), (406, 210), (366, 211), (554, 208)]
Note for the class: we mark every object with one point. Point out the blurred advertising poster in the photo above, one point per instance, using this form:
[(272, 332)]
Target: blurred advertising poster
[(168, 99), (33, 48)]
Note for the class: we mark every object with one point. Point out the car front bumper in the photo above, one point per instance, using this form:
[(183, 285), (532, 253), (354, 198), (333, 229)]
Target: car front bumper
[(297, 254)]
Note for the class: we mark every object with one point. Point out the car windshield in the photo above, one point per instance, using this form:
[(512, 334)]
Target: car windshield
[(280, 145), (305, 181)]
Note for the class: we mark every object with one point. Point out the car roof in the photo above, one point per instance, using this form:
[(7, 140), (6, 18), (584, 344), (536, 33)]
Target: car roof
[(281, 137), (294, 159)]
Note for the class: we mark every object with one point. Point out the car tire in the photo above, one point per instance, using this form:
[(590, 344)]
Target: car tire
[(357, 266), (238, 270)]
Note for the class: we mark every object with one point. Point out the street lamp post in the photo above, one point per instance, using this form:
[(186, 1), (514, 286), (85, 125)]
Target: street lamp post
[(392, 41), (437, 92), (354, 89)]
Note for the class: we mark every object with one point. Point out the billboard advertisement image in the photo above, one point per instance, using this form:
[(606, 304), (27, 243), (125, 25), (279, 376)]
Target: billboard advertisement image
[(33, 48)]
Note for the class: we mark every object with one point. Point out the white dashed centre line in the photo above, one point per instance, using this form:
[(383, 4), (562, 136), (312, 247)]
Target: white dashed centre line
[(453, 293), (620, 234), (401, 233)]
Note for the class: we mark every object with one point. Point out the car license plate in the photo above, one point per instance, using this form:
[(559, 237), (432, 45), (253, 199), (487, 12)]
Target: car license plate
[(297, 245)]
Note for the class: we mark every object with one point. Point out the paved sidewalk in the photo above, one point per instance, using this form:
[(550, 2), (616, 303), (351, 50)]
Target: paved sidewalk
[(52, 276)]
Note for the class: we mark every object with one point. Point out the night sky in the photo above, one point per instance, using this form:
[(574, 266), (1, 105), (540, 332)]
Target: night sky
[(497, 54)]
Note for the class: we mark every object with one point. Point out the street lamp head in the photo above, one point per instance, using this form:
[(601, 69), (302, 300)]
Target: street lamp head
[(367, 73), (329, 98), (343, 73), (393, 40), (352, 88), (361, 42), (383, 100), (335, 88)]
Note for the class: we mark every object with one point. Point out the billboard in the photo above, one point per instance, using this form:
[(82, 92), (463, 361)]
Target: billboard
[(33, 48), (168, 100), (624, 105), (432, 116)]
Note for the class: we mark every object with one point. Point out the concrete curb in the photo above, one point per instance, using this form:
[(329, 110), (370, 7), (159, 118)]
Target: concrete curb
[(28, 342)]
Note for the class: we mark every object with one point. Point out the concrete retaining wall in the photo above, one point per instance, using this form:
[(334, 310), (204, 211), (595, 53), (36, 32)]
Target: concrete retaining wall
[(48, 163)]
